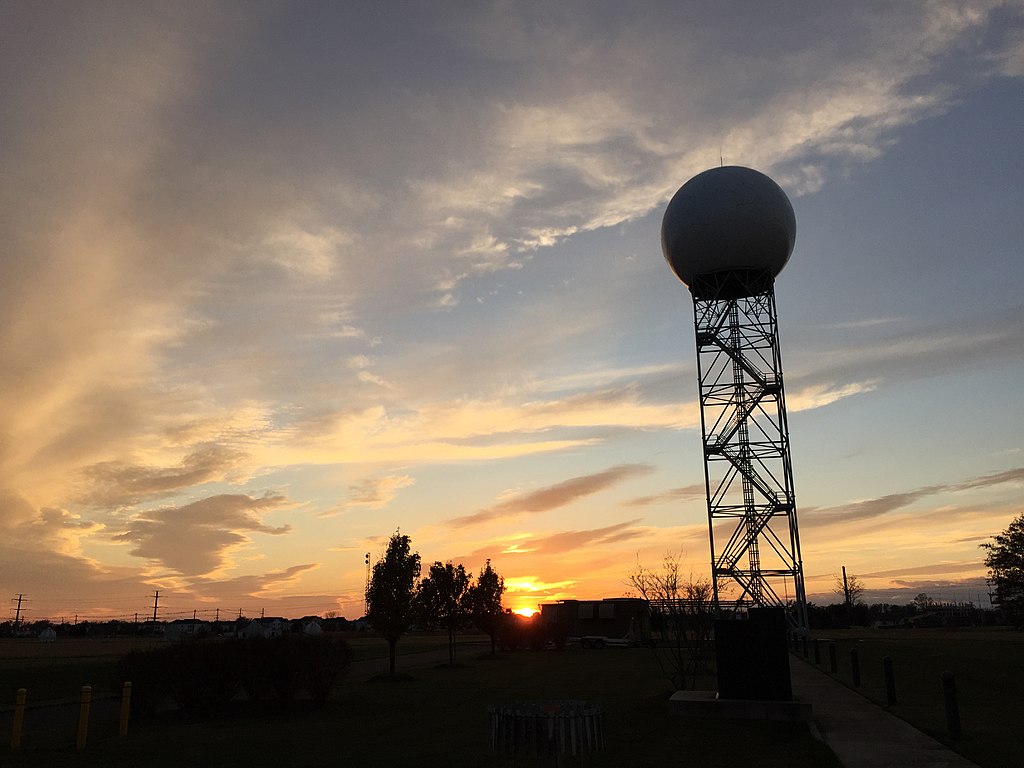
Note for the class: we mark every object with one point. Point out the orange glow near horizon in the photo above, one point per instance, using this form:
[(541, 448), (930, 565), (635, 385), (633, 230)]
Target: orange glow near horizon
[(527, 612)]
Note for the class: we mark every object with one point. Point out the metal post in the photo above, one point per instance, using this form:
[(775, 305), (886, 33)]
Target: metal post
[(803, 645), (855, 666), (126, 707), (83, 717), (19, 718), (833, 664), (952, 705), (817, 651), (890, 681)]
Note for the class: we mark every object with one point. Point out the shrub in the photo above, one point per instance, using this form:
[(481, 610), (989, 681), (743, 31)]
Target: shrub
[(202, 675)]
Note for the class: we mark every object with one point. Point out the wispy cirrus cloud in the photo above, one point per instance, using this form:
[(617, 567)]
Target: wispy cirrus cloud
[(554, 496), (374, 492), (684, 493), (568, 541), (931, 569), (115, 484), (883, 505), (252, 585)]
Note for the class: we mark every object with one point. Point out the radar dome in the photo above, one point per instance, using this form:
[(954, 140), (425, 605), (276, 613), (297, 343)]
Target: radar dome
[(728, 220)]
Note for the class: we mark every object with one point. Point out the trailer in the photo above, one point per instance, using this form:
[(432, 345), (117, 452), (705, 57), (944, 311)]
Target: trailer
[(613, 622)]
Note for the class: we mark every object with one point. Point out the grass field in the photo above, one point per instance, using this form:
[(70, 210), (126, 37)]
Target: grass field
[(439, 717), (988, 665)]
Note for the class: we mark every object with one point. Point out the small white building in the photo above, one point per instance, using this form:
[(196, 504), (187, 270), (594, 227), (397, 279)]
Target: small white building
[(48, 635), (312, 627), (181, 629), (268, 627)]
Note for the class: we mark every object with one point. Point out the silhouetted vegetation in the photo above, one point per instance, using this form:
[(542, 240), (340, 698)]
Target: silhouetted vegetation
[(199, 675), (484, 602), (390, 596), (442, 600), (1005, 561), (681, 616), (517, 632)]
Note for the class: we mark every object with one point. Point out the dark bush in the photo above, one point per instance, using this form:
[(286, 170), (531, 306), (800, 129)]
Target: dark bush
[(327, 658), (206, 674), (203, 674), (146, 671)]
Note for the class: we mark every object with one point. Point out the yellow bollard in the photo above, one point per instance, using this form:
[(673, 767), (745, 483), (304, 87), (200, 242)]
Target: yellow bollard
[(126, 707), (19, 718), (83, 716)]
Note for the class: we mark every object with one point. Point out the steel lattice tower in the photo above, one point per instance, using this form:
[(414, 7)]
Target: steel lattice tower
[(727, 233), (755, 543)]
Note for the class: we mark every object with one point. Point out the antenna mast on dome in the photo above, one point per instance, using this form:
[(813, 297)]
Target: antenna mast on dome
[(727, 233)]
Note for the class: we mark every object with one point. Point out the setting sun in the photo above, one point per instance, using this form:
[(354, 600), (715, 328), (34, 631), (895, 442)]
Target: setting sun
[(527, 612)]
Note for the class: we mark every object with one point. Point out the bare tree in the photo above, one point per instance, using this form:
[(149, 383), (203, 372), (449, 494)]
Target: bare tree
[(850, 587), (681, 611)]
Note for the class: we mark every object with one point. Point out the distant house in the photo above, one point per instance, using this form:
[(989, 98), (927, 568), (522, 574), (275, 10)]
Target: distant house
[(182, 629), (311, 626), (224, 628), (48, 635), (271, 626)]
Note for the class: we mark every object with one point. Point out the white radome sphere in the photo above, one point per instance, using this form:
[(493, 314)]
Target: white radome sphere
[(729, 219)]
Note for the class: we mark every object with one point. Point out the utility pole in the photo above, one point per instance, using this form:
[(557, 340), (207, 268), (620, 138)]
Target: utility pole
[(17, 611), (846, 589), (156, 602), (217, 618), (366, 591)]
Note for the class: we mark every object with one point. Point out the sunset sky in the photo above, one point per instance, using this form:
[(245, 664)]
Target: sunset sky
[(277, 279)]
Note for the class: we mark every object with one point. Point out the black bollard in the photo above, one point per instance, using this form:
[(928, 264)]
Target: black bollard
[(890, 681), (952, 705), (855, 667), (817, 651), (803, 645), (833, 665)]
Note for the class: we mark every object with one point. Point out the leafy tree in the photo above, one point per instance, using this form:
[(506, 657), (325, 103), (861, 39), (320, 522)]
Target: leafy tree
[(441, 599), (484, 601), (1005, 563), (389, 598), (922, 601)]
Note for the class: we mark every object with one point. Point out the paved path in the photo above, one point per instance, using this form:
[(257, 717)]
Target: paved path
[(862, 734)]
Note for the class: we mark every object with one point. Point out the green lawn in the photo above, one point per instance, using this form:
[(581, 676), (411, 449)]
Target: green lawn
[(988, 665), (439, 717)]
